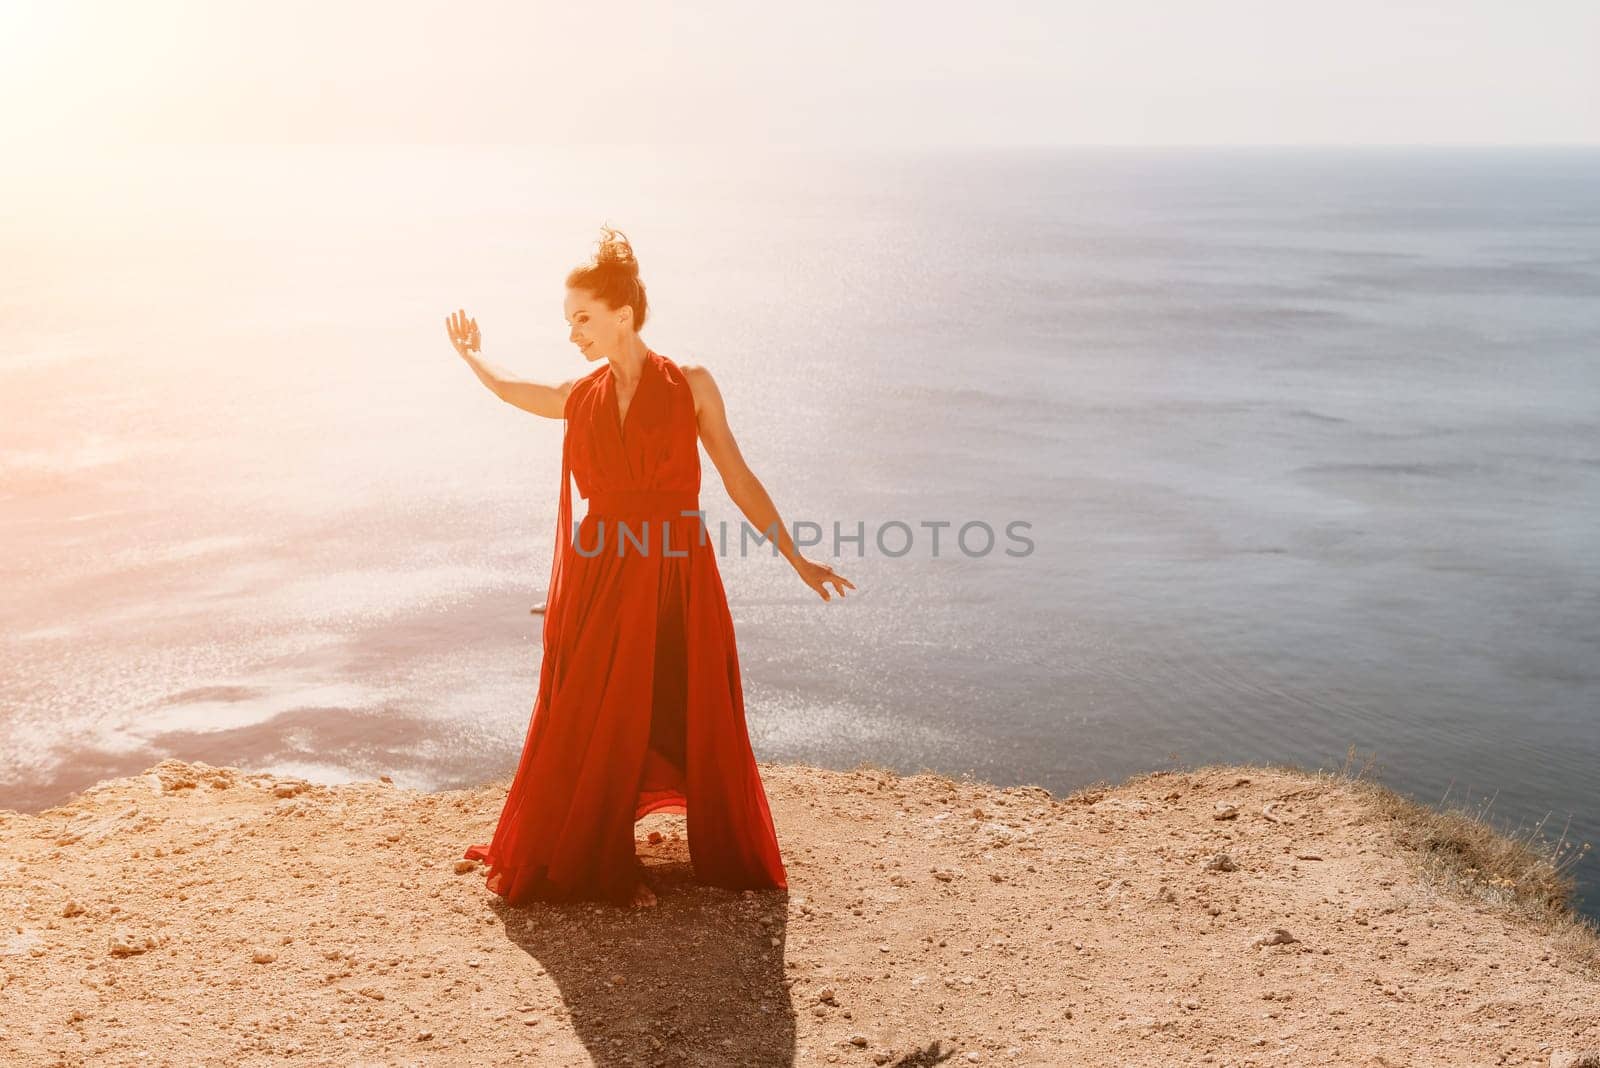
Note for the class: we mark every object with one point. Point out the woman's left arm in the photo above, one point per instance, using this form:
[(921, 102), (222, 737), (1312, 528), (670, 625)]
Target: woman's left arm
[(745, 488)]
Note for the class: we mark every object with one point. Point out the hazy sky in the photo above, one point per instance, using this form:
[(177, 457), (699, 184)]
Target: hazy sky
[(74, 72)]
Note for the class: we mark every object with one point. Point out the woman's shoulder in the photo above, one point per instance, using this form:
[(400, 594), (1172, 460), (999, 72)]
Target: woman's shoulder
[(684, 373), (582, 386), (586, 382), (696, 383)]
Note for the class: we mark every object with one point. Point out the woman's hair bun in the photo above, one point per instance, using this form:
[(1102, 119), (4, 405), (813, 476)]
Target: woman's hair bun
[(612, 274), (614, 251)]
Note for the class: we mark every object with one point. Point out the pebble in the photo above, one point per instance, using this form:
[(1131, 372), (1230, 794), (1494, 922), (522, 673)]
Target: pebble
[(1563, 1058), (1221, 862), (1278, 936), (858, 1040), (123, 944), (263, 956), (1225, 811), (464, 866), (72, 908)]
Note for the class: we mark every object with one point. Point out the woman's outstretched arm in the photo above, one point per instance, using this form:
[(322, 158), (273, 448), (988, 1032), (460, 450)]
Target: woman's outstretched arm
[(745, 488), (535, 397)]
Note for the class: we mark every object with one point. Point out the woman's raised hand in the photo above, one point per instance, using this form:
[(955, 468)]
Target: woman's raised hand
[(463, 333), (817, 576)]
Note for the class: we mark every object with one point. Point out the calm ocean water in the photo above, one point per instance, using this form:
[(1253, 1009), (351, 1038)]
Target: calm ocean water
[(1307, 441)]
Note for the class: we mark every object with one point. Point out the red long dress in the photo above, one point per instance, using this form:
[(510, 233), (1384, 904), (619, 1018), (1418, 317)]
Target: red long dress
[(640, 707)]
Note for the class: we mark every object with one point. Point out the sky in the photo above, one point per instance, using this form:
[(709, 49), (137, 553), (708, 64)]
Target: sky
[(80, 73)]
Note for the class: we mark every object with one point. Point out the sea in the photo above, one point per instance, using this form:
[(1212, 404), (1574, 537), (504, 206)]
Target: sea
[(1139, 459)]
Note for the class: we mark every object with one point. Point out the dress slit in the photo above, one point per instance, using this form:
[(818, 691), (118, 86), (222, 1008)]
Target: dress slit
[(664, 780)]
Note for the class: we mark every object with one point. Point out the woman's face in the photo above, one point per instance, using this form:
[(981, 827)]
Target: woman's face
[(597, 330)]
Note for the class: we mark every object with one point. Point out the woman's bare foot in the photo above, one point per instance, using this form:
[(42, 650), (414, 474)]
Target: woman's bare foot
[(642, 895)]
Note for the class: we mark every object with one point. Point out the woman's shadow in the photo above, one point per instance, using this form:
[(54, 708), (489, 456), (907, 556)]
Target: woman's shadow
[(696, 979)]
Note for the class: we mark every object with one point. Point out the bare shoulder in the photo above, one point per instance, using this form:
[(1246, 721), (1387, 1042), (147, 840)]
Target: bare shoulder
[(583, 381), (702, 386), (564, 392)]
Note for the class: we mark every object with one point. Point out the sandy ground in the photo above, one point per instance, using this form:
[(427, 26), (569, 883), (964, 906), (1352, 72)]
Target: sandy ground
[(201, 915)]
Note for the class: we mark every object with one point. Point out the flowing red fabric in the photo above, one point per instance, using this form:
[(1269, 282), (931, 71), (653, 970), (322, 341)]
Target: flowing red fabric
[(640, 707)]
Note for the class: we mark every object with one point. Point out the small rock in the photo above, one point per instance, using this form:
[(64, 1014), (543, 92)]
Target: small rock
[(944, 876), (1278, 936), (72, 908), (858, 1040), (1225, 811), (263, 956), (655, 838), (1562, 1058), (123, 944), (286, 789), (1221, 862), (827, 996), (371, 992), (423, 1036), (464, 866)]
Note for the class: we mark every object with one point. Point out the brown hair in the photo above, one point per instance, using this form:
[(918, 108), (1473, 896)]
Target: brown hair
[(612, 275)]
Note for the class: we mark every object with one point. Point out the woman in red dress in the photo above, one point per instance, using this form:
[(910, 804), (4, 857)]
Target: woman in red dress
[(640, 707)]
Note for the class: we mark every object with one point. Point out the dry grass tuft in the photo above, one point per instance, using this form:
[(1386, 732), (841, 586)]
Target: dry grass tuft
[(1524, 870)]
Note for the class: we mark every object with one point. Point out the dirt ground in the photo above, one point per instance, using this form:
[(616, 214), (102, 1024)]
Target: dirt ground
[(204, 916)]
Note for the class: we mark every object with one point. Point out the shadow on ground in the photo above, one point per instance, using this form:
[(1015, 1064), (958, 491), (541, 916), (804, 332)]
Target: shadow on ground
[(696, 980)]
